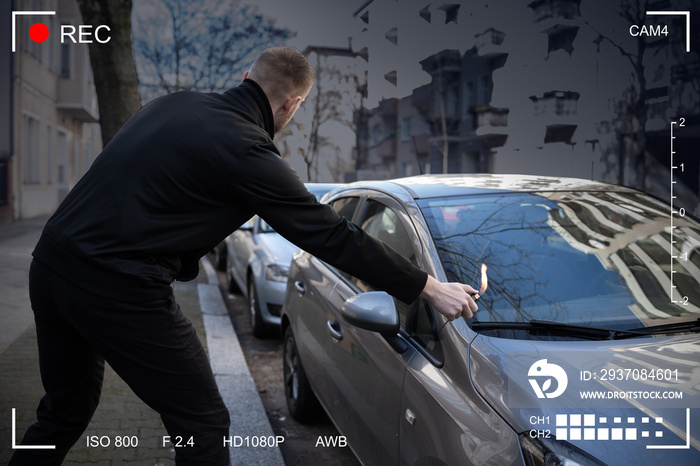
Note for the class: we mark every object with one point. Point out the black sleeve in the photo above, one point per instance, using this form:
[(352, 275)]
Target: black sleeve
[(275, 192)]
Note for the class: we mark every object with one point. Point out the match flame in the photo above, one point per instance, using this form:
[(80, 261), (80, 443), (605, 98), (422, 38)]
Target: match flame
[(484, 279)]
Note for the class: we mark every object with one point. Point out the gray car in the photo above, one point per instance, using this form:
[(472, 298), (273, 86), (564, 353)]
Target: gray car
[(585, 349), (257, 265)]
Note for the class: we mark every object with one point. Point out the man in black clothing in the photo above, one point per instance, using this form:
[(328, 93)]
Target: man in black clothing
[(184, 172)]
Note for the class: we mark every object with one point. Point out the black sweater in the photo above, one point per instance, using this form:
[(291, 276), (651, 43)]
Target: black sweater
[(183, 173)]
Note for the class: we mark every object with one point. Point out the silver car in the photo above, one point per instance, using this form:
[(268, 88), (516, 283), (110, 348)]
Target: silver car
[(585, 349), (258, 263)]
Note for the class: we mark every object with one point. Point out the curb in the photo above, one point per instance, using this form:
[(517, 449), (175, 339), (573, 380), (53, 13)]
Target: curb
[(251, 440)]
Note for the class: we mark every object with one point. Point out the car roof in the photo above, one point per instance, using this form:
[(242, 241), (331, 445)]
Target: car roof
[(428, 186)]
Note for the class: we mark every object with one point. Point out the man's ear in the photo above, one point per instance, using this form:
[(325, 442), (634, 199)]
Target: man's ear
[(289, 105), (245, 75)]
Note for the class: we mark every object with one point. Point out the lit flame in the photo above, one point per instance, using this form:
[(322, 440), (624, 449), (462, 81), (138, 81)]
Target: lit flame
[(484, 279)]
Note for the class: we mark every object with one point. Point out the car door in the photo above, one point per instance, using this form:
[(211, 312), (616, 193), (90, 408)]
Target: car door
[(364, 370), (312, 281)]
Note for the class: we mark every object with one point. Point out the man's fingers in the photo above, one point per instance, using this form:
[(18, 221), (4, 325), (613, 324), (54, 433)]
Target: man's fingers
[(468, 289)]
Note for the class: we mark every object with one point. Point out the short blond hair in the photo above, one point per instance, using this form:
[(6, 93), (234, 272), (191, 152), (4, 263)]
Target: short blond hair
[(282, 72)]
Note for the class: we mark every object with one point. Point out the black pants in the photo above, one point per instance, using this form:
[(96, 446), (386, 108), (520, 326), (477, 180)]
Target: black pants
[(152, 346)]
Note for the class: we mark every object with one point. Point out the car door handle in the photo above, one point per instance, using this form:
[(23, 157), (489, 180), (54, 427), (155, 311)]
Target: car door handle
[(299, 286), (334, 330)]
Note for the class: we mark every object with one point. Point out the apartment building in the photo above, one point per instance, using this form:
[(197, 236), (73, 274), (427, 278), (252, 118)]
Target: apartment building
[(549, 88), (50, 132)]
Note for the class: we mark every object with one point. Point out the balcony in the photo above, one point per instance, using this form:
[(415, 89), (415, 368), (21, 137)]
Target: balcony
[(556, 106), (489, 43), (547, 9), (491, 124), (75, 100)]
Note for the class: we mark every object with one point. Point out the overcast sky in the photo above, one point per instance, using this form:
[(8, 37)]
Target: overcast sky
[(316, 22)]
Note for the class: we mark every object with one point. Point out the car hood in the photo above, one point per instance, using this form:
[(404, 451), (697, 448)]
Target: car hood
[(276, 248), (546, 388)]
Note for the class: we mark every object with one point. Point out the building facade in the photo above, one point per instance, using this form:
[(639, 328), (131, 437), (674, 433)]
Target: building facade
[(50, 105), (555, 87)]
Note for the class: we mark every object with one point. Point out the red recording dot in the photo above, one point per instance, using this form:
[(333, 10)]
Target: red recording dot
[(38, 32)]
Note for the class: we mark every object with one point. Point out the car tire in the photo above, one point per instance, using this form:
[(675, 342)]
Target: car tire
[(257, 324), (301, 400), (232, 286), (220, 257)]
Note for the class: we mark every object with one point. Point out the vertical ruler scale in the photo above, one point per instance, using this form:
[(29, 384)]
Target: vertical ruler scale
[(680, 212), (673, 197)]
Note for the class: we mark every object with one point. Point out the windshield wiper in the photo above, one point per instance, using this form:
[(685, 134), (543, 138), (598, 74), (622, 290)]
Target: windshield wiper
[(583, 331), (670, 328)]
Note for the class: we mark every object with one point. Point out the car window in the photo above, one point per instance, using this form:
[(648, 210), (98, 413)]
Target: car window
[(383, 223), (265, 228), (417, 321), (346, 206)]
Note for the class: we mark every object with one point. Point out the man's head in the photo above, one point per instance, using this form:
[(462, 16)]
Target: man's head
[(286, 77)]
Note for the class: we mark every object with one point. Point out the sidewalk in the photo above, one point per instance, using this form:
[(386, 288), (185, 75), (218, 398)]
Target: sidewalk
[(121, 416)]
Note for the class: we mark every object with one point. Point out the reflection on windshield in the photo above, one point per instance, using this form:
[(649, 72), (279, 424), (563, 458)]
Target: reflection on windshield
[(588, 258)]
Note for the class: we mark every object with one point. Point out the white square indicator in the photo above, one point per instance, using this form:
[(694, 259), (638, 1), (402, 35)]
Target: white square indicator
[(645, 433), (659, 420), (617, 420), (645, 420), (630, 420), (574, 434), (575, 419), (603, 433), (561, 420), (659, 433), (630, 434), (589, 434), (616, 434), (603, 420), (561, 434), (589, 420)]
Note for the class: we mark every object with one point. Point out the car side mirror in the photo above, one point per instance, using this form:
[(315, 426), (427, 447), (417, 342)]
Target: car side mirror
[(374, 311)]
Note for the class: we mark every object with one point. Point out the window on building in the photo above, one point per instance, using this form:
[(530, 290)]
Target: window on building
[(30, 47), (31, 151), (65, 65), (50, 162), (485, 89), (62, 147), (406, 125), (468, 97), (452, 101), (51, 47)]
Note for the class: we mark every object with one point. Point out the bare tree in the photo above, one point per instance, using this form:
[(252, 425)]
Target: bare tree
[(633, 109), (205, 46), (113, 64), (330, 104)]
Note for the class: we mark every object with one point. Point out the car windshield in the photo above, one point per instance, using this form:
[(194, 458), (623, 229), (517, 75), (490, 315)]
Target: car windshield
[(586, 258)]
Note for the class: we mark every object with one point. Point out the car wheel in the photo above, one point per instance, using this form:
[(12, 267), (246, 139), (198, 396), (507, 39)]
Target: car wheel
[(301, 400), (232, 286), (256, 322), (220, 257)]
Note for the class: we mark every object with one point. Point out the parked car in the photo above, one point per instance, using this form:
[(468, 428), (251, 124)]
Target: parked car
[(257, 265), (585, 349)]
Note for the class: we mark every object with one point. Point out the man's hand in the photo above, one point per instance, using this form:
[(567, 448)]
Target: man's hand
[(450, 299)]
